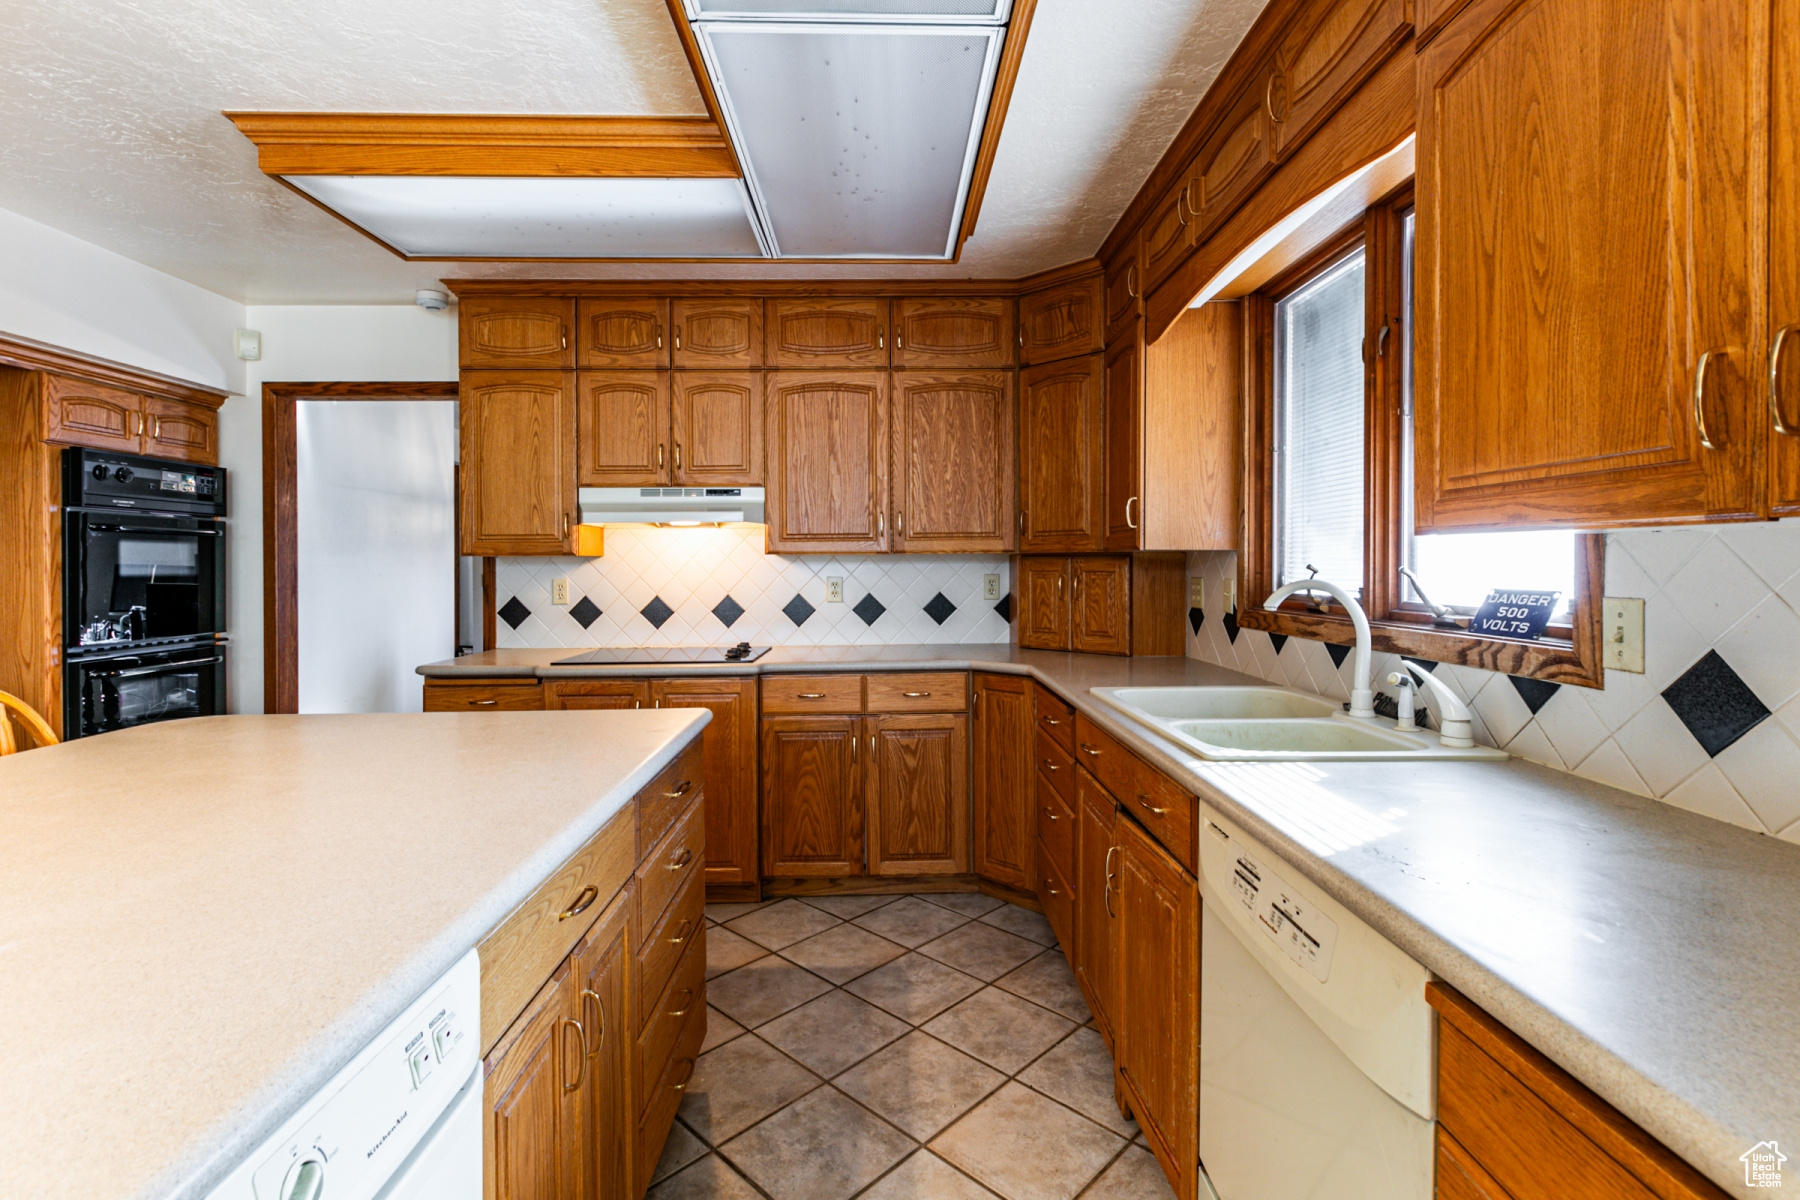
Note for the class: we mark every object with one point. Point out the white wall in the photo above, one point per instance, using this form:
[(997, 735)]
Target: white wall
[(69, 293), (307, 344)]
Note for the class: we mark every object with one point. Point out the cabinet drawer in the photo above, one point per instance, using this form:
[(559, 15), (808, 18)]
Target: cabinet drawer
[(1056, 766), (663, 871), (664, 1021), (940, 691), (1056, 828), (501, 695), (596, 693), (665, 1097), (660, 950), (1143, 791), (1054, 717), (1059, 902), (524, 949), (812, 694), (668, 795)]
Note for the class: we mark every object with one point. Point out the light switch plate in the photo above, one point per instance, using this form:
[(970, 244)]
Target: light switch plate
[(990, 587), (1622, 634), (559, 590), (1196, 592), (834, 589), (1230, 588)]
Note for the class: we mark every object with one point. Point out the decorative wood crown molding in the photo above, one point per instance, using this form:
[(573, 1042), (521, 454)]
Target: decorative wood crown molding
[(773, 287), (514, 146), (30, 355), (1011, 54)]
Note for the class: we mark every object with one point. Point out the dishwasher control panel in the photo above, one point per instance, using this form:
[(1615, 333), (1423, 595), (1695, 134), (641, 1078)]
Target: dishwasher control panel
[(1293, 923)]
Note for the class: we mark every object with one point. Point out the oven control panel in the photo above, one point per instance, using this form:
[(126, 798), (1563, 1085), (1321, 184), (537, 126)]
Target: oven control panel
[(102, 479)]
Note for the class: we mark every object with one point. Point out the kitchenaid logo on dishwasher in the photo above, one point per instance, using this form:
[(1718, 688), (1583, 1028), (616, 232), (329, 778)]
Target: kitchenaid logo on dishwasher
[(1762, 1165)]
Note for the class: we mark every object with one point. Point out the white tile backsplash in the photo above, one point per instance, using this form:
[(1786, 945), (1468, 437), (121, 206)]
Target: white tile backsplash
[(1732, 589), (693, 570)]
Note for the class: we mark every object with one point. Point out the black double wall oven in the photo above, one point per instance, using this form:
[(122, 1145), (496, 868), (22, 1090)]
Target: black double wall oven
[(143, 591)]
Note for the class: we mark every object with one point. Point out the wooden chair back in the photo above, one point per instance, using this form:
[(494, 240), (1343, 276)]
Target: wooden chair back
[(15, 711)]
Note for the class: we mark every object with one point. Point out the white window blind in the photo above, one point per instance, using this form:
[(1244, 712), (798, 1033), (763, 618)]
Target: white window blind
[(1319, 416)]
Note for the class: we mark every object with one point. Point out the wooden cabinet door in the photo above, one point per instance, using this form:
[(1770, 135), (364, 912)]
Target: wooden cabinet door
[(1231, 162), (916, 784), (603, 963), (1061, 448), (78, 413), (827, 333), (622, 429), (1125, 442), (176, 430), (827, 454), (953, 461), (718, 335), (729, 744), (1557, 355), (1061, 321), (1124, 290), (1044, 603), (718, 428), (513, 332), (1005, 780), (596, 694), (1169, 233), (518, 461), (535, 1146), (1157, 1015), (812, 801), (1100, 593), (1784, 260), (1324, 54), (955, 331), (621, 331), (1096, 901)]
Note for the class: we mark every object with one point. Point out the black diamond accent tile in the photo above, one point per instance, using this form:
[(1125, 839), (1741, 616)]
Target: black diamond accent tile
[(1717, 707), (728, 611), (1231, 627), (513, 613), (656, 612), (585, 612), (798, 610), (1196, 618), (1003, 606), (939, 608), (1421, 664), (869, 609), (1534, 692), (1278, 640), (1338, 653)]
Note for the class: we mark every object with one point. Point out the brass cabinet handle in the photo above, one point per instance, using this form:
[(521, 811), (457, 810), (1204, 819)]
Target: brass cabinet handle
[(853, 741), (483, 703), (880, 525), (678, 337), (1049, 720), (1106, 887), (1131, 281), (1269, 97), (588, 895), (1048, 812), (564, 331), (687, 1003), (659, 336), (678, 455), (1089, 750), (1129, 501), (1050, 765), (681, 860), (1021, 521), (600, 1025), (565, 531), (880, 339), (1051, 887), (1182, 207), (1059, 583), (581, 1061), (659, 456), (682, 788), (687, 927), (140, 424), (899, 521), (1700, 366), (685, 1079), (156, 428), (809, 695), (1145, 801), (1781, 427), (915, 695)]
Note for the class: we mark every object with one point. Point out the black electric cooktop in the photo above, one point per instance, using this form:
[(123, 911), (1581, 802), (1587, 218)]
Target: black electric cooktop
[(741, 653)]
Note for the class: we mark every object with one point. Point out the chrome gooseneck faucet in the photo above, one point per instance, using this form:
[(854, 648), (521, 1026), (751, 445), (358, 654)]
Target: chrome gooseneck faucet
[(1362, 696)]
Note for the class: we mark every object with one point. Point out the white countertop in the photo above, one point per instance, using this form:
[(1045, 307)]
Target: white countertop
[(202, 921)]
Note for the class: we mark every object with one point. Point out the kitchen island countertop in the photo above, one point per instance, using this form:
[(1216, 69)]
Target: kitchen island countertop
[(1646, 949), (201, 921)]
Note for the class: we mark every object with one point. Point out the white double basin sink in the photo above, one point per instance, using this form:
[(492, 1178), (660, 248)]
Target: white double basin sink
[(1271, 724)]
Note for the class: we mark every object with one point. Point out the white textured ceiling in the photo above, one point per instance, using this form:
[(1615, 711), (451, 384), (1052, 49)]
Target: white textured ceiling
[(110, 125)]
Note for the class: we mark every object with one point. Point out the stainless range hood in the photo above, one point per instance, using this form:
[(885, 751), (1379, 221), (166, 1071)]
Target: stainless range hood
[(670, 505)]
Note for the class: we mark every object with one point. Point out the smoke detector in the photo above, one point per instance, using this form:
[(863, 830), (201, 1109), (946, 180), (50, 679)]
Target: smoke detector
[(431, 301)]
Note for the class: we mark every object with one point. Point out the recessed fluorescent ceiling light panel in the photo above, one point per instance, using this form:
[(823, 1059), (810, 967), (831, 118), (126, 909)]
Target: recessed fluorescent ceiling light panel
[(440, 216), (911, 12), (857, 140)]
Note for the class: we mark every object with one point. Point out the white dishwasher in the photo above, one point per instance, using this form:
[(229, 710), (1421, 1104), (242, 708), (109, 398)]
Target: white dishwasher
[(402, 1121), (1318, 1051)]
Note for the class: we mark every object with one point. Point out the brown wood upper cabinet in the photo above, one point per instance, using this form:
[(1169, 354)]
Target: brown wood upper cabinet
[(1062, 321), (1124, 290), (510, 332), (1232, 161), (975, 331), (1324, 54), (79, 413), (622, 425), (1572, 370), (827, 450), (822, 332), (622, 332), (953, 461), (1005, 780), (1081, 603), (1784, 262), (1169, 234), (518, 461), (645, 428), (1124, 407), (718, 334), (717, 439), (1061, 456)]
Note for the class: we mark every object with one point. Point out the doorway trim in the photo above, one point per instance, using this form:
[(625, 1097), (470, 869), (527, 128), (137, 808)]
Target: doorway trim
[(281, 568)]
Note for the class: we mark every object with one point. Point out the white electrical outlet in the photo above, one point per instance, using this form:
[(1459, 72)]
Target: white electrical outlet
[(1622, 634), (990, 587), (834, 589), (1196, 592), (559, 590)]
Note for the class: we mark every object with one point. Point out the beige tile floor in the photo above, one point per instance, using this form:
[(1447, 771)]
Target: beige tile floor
[(921, 1047)]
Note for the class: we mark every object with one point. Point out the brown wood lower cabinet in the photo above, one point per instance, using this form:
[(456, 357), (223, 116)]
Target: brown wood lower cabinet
[(483, 695), (603, 967), (1005, 833), (596, 694), (916, 792), (730, 769), (1095, 850), (812, 804), (535, 1146)]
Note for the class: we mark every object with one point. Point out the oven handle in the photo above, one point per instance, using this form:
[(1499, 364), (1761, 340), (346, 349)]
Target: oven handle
[(153, 529), (159, 667)]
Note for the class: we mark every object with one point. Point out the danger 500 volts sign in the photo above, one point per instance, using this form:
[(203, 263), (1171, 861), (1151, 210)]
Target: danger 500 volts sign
[(1514, 614)]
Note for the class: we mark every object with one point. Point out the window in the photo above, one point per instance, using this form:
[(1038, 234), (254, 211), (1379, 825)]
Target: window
[(1330, 483)]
